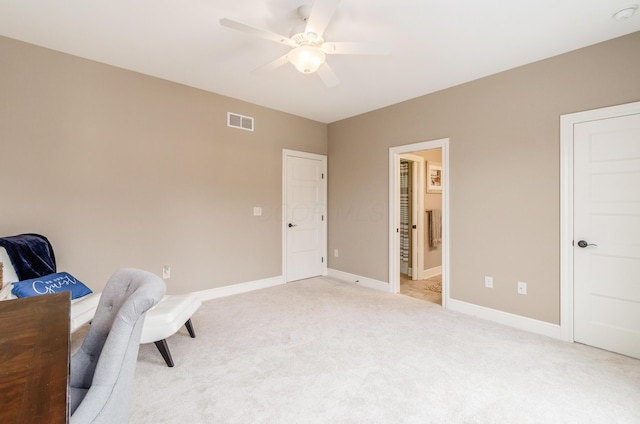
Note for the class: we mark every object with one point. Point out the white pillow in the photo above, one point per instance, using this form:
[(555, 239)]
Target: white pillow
[(8, 273)]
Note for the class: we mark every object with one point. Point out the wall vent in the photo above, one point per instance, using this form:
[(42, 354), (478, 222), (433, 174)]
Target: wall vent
[(239, 121)]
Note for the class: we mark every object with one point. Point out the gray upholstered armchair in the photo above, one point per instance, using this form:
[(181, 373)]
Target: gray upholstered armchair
[(102, 369)]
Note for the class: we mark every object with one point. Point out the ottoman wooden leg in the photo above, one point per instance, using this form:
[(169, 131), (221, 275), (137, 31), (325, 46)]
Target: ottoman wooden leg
[(163, 347), (190, 329)]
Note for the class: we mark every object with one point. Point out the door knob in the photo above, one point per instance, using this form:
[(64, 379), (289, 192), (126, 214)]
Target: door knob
[(291, 225), (584, 244)]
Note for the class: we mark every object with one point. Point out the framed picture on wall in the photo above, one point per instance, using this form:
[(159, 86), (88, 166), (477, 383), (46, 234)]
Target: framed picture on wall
[(434, 177)]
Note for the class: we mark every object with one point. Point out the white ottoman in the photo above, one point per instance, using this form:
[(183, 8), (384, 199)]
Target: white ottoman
[(83, 310), (166, 318)]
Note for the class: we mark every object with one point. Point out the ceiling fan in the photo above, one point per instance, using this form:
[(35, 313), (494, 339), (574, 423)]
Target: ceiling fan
[(308, 48)]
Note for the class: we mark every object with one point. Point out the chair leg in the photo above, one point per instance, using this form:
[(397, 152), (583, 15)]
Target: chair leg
[(163, 347), (189, 326)]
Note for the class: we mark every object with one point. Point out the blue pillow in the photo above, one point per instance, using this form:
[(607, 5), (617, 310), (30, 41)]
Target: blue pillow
[(52, 283)]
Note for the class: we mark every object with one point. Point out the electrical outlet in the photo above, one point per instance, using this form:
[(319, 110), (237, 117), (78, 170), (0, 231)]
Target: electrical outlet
[(166, 272), (257, 211), (488, 282), (522, 287), (335, 253)]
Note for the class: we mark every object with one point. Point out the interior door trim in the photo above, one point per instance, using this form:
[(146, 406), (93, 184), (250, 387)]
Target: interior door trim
[(567, 123), (394, 211)]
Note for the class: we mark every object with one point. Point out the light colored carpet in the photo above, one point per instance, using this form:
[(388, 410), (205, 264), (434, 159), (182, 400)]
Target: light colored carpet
[(323, 351)]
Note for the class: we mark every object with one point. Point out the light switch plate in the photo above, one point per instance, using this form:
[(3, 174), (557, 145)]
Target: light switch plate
[(522, 287), (488, 282)]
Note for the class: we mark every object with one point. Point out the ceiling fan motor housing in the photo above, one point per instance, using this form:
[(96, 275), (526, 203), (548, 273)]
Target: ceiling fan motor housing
[(308, 39)]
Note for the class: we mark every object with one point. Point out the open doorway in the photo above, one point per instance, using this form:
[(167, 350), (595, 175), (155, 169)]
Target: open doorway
[(418, 235)]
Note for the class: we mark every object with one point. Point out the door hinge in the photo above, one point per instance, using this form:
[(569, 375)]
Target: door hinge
[(322, 217), (322, 259), (322, 175)]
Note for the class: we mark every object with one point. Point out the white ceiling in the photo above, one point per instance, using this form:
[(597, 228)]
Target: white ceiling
[(435, 43)]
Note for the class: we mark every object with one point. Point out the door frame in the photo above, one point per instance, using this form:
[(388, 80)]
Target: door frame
[(418, 184), (286, 153), (394, 211), (567, 123)]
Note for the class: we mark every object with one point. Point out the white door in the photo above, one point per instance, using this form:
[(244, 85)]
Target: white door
[(607, 234), (305, 220)]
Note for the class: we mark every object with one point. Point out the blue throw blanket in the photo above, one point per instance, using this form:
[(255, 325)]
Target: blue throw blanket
[(31, 255)]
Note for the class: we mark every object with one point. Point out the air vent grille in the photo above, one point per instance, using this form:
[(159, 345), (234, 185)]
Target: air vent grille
[(239, 121)]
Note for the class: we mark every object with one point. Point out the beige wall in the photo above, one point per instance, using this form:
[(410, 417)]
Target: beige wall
[(504, 173), (121, 169)]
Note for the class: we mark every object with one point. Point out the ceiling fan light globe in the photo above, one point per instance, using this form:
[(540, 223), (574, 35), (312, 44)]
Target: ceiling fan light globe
[(306, 59)]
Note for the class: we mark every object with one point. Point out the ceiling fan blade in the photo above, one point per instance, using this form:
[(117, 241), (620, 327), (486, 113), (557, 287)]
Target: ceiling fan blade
[(273, 65), (321, 13), (257, 31), (365, 47), (328, 77)]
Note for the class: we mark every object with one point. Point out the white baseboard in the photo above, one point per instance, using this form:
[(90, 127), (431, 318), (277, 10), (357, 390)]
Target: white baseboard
[(359, 280), (431, 272), (506, 318), (240, 288)]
